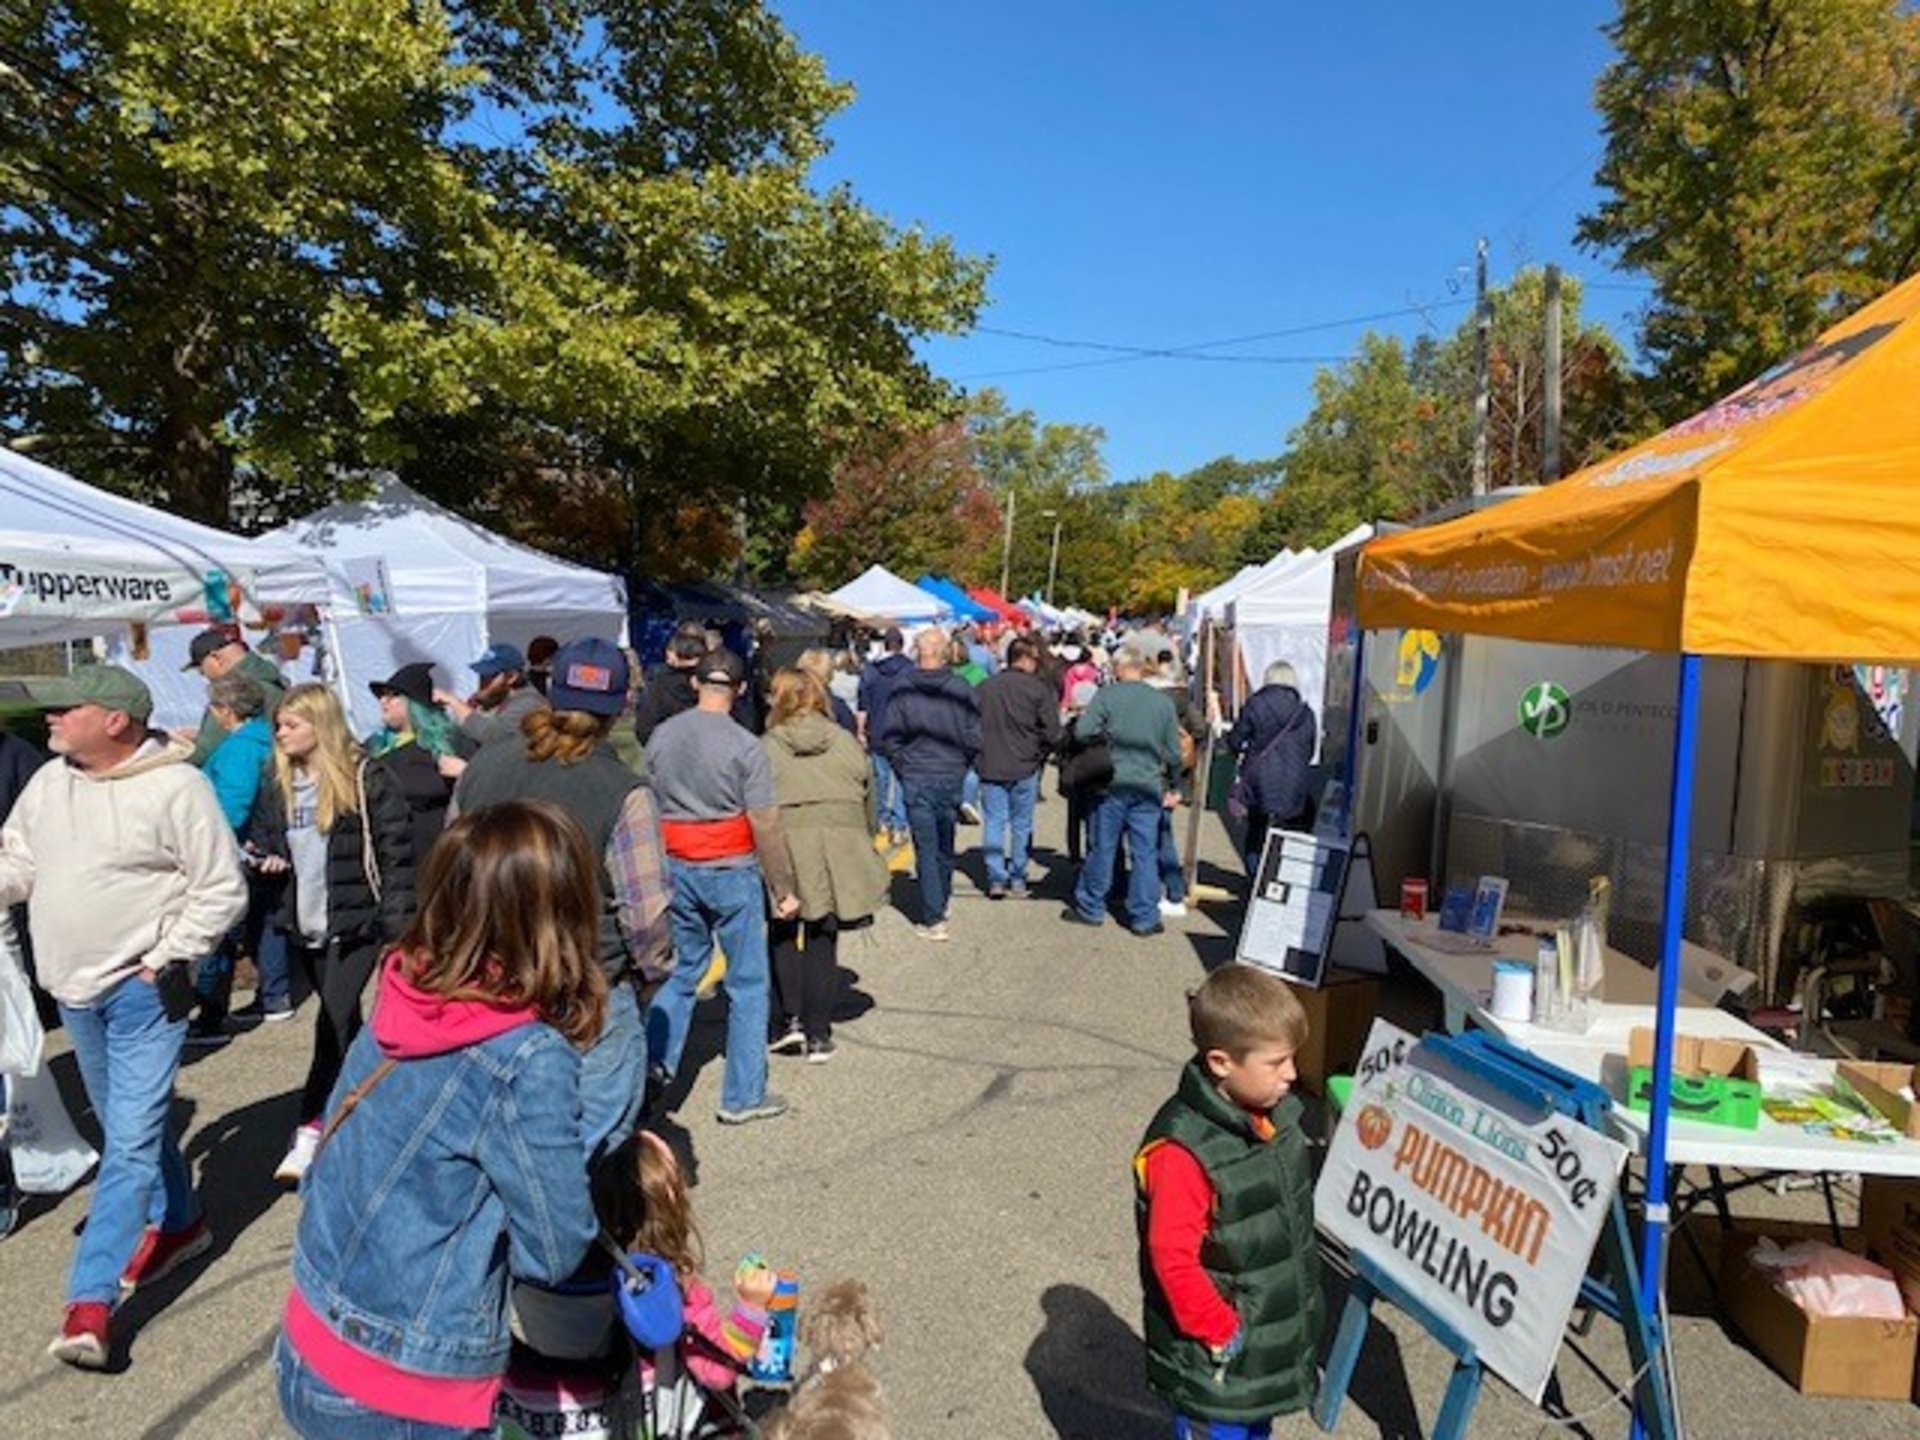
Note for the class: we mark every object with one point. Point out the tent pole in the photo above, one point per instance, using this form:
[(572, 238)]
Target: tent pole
[(1673, 915)]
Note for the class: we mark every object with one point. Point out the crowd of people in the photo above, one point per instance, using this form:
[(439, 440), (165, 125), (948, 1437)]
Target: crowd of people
[(537, 900)]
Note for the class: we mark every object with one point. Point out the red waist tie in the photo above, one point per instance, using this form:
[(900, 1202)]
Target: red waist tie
[(708, 839)]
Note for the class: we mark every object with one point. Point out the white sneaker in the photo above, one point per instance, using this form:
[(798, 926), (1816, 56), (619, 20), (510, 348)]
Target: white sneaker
[(1173, 910), (306, 1142), (936, 932)]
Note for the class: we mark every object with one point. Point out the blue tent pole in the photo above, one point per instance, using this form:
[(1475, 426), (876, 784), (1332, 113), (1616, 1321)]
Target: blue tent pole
[(1653, 1242), (1354, 703)]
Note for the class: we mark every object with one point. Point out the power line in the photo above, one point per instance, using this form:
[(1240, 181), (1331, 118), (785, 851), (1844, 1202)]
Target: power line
[(1127, 354)]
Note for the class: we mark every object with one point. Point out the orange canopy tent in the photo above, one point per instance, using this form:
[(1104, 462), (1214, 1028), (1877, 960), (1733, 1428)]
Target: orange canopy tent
[(1781, 523)]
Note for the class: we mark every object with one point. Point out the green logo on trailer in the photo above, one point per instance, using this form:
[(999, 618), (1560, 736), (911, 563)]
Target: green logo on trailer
[(1545, 710)]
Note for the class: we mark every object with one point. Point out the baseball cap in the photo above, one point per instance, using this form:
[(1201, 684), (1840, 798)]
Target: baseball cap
[(107, 686), (721, 667), (214, 637), (498, 660), (589, 676)]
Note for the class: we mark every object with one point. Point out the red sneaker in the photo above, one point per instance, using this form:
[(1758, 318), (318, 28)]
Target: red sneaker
[(82, 1340), (162, 1252)]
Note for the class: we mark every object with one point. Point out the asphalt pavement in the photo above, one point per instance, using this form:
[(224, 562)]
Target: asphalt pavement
[(966, 1155)]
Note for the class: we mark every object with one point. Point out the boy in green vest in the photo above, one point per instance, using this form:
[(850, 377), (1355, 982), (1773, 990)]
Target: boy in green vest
[(1224, 1202)]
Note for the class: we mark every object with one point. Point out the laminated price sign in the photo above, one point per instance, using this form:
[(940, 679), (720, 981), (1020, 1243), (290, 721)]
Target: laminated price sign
[(1487, 1216)]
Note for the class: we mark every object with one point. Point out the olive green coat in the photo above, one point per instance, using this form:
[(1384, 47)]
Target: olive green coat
[(825, 788)]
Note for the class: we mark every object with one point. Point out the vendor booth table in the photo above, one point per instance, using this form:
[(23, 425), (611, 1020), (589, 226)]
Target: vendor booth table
[(1779, 524)]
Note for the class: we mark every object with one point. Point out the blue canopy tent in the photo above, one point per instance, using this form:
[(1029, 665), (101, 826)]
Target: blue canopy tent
[(963, 605)]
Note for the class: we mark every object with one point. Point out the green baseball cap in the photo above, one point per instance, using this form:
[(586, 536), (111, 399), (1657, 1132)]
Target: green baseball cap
[(107, 686)]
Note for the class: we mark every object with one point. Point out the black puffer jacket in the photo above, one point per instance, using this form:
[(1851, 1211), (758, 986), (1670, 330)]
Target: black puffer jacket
[(1274, 739), (355, 914)]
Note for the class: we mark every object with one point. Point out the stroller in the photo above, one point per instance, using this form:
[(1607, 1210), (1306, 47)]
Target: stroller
[(621, 1372)]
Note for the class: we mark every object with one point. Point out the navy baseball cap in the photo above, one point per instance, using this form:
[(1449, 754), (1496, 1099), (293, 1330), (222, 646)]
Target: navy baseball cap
[(589, 676), (498, 660)]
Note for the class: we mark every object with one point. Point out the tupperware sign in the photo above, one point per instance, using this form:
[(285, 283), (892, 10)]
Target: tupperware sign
[(34, 588), (1486, 1216)]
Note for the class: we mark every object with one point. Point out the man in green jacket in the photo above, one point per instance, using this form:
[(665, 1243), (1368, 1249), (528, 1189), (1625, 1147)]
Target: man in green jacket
[(1142, 731), (216, 651)]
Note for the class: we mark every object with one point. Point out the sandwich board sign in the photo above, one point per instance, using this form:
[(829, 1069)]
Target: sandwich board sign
[(1485, 1215)]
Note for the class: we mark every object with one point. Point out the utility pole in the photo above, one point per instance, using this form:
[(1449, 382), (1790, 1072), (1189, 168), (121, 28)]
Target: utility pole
[(1550, 441), (1053, 557), (1006, 543), (1482, 379)]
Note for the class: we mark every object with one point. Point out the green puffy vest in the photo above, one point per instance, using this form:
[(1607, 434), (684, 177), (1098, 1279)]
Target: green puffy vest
[(1260, 1252)]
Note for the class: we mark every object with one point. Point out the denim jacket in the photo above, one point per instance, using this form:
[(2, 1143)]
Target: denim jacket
[(458, 1170)]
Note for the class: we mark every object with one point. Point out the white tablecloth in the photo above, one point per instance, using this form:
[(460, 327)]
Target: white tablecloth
[(1464, 982)]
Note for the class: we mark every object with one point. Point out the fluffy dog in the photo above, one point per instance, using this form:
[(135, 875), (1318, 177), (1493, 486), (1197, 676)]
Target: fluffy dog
[(838, 1398)]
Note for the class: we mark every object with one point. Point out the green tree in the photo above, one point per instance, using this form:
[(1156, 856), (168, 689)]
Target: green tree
[(1763, 168), (495, 245), (1042, 467)]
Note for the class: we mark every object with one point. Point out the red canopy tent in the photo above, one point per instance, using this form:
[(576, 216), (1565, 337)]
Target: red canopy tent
[(994, 601)]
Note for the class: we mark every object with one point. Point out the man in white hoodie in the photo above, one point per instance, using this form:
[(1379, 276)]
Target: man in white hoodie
[(130, 876)]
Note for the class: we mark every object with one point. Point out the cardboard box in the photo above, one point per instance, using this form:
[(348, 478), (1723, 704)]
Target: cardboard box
[(1697, 1055), (1890, 1221), (1859, 1359), (1880, 1087), (1339, 1014)]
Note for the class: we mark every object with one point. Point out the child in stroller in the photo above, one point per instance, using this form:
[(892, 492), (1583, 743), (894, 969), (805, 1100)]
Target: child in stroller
[(590, 1362)]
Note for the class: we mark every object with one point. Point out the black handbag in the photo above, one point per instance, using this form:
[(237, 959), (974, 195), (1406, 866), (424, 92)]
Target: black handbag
[(1086, 765)]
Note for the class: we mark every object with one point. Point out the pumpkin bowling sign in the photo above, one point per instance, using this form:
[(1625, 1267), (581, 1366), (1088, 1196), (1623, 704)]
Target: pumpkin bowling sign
[(1486, 1214)]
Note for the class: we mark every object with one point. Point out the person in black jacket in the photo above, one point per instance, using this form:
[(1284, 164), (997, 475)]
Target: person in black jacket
[(931, 737), (421, 749), (1019, 728), (1274, 738), (669, 688), (336, 823)]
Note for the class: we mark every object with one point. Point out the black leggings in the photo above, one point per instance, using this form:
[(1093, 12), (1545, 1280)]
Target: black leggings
[(338, 975), (804, 980)]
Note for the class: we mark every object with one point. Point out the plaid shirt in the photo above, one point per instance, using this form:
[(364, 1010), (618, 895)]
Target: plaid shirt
[(642, 891)]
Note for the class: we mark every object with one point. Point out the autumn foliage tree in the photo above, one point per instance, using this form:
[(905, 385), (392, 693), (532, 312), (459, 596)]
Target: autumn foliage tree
[(915, 503)]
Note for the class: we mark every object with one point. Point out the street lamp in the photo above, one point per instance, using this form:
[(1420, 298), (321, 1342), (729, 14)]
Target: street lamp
[(1053, 559)]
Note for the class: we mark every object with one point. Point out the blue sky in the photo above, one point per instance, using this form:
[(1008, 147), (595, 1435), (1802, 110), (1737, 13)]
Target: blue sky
[(1165, 174)]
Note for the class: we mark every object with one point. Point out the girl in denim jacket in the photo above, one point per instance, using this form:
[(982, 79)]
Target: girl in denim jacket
[(451, 1160)]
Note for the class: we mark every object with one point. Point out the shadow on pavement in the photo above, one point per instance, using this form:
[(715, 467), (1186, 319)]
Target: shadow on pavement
[(233, 1159), (1087, 1369)]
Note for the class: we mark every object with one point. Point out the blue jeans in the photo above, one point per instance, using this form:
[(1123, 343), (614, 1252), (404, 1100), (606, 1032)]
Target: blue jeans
[(1185, 1429), (1173, 879), (258, 936), (613, 1074), (129, 1053), (1008, 806), (727, 902), (932, 807), (1136, 818), (889, 803), (317, 1411), (970, 789)]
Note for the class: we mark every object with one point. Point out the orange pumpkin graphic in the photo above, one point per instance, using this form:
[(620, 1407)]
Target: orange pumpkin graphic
[(1374, 1125)]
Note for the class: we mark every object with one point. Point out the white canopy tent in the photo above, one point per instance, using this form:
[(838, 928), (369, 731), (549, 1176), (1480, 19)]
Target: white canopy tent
[(882, 593), (414, 581), (1212, 604), (1284, 616), (77, 562)]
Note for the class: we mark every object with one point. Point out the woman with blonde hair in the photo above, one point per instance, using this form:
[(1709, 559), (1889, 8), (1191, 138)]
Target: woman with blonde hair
[(819, 664), (564, 757), (453, 1161), (336, 823), (825, 789)]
